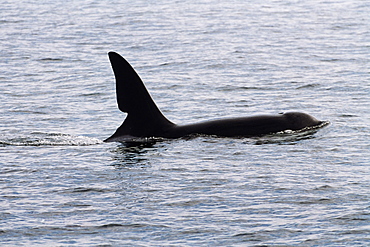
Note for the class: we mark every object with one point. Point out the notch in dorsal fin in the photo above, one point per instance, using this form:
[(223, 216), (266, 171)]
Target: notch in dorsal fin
[(144, 117)]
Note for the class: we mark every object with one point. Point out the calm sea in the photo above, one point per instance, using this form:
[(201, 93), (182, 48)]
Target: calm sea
[(62, 186)]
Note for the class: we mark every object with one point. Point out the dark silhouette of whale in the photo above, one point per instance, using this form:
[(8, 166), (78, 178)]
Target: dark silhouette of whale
[(144, 119)]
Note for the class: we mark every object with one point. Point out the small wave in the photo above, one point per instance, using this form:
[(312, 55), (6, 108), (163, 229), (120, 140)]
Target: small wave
[(48, 139), (50, 59), (319, 126), (132, 140), (312, 85), (291, 136)]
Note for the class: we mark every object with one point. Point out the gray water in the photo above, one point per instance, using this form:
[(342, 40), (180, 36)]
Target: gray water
[(62, 186)]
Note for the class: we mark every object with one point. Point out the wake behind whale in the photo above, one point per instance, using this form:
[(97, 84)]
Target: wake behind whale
[(145, 120)]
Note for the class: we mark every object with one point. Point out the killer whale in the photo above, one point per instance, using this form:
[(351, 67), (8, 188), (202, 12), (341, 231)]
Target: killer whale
[(144, 119)]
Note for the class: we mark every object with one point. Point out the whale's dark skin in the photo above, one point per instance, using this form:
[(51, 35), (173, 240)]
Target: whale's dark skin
[(144, 119)]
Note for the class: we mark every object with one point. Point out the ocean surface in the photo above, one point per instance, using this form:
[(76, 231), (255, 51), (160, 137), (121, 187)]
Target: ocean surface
[(61, 185)]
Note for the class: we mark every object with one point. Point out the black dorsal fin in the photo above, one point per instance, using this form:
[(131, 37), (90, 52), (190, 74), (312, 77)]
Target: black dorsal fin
[(144, 116)]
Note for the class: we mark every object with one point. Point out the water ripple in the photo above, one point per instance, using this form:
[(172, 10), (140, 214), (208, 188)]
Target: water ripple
[(48, 139)]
